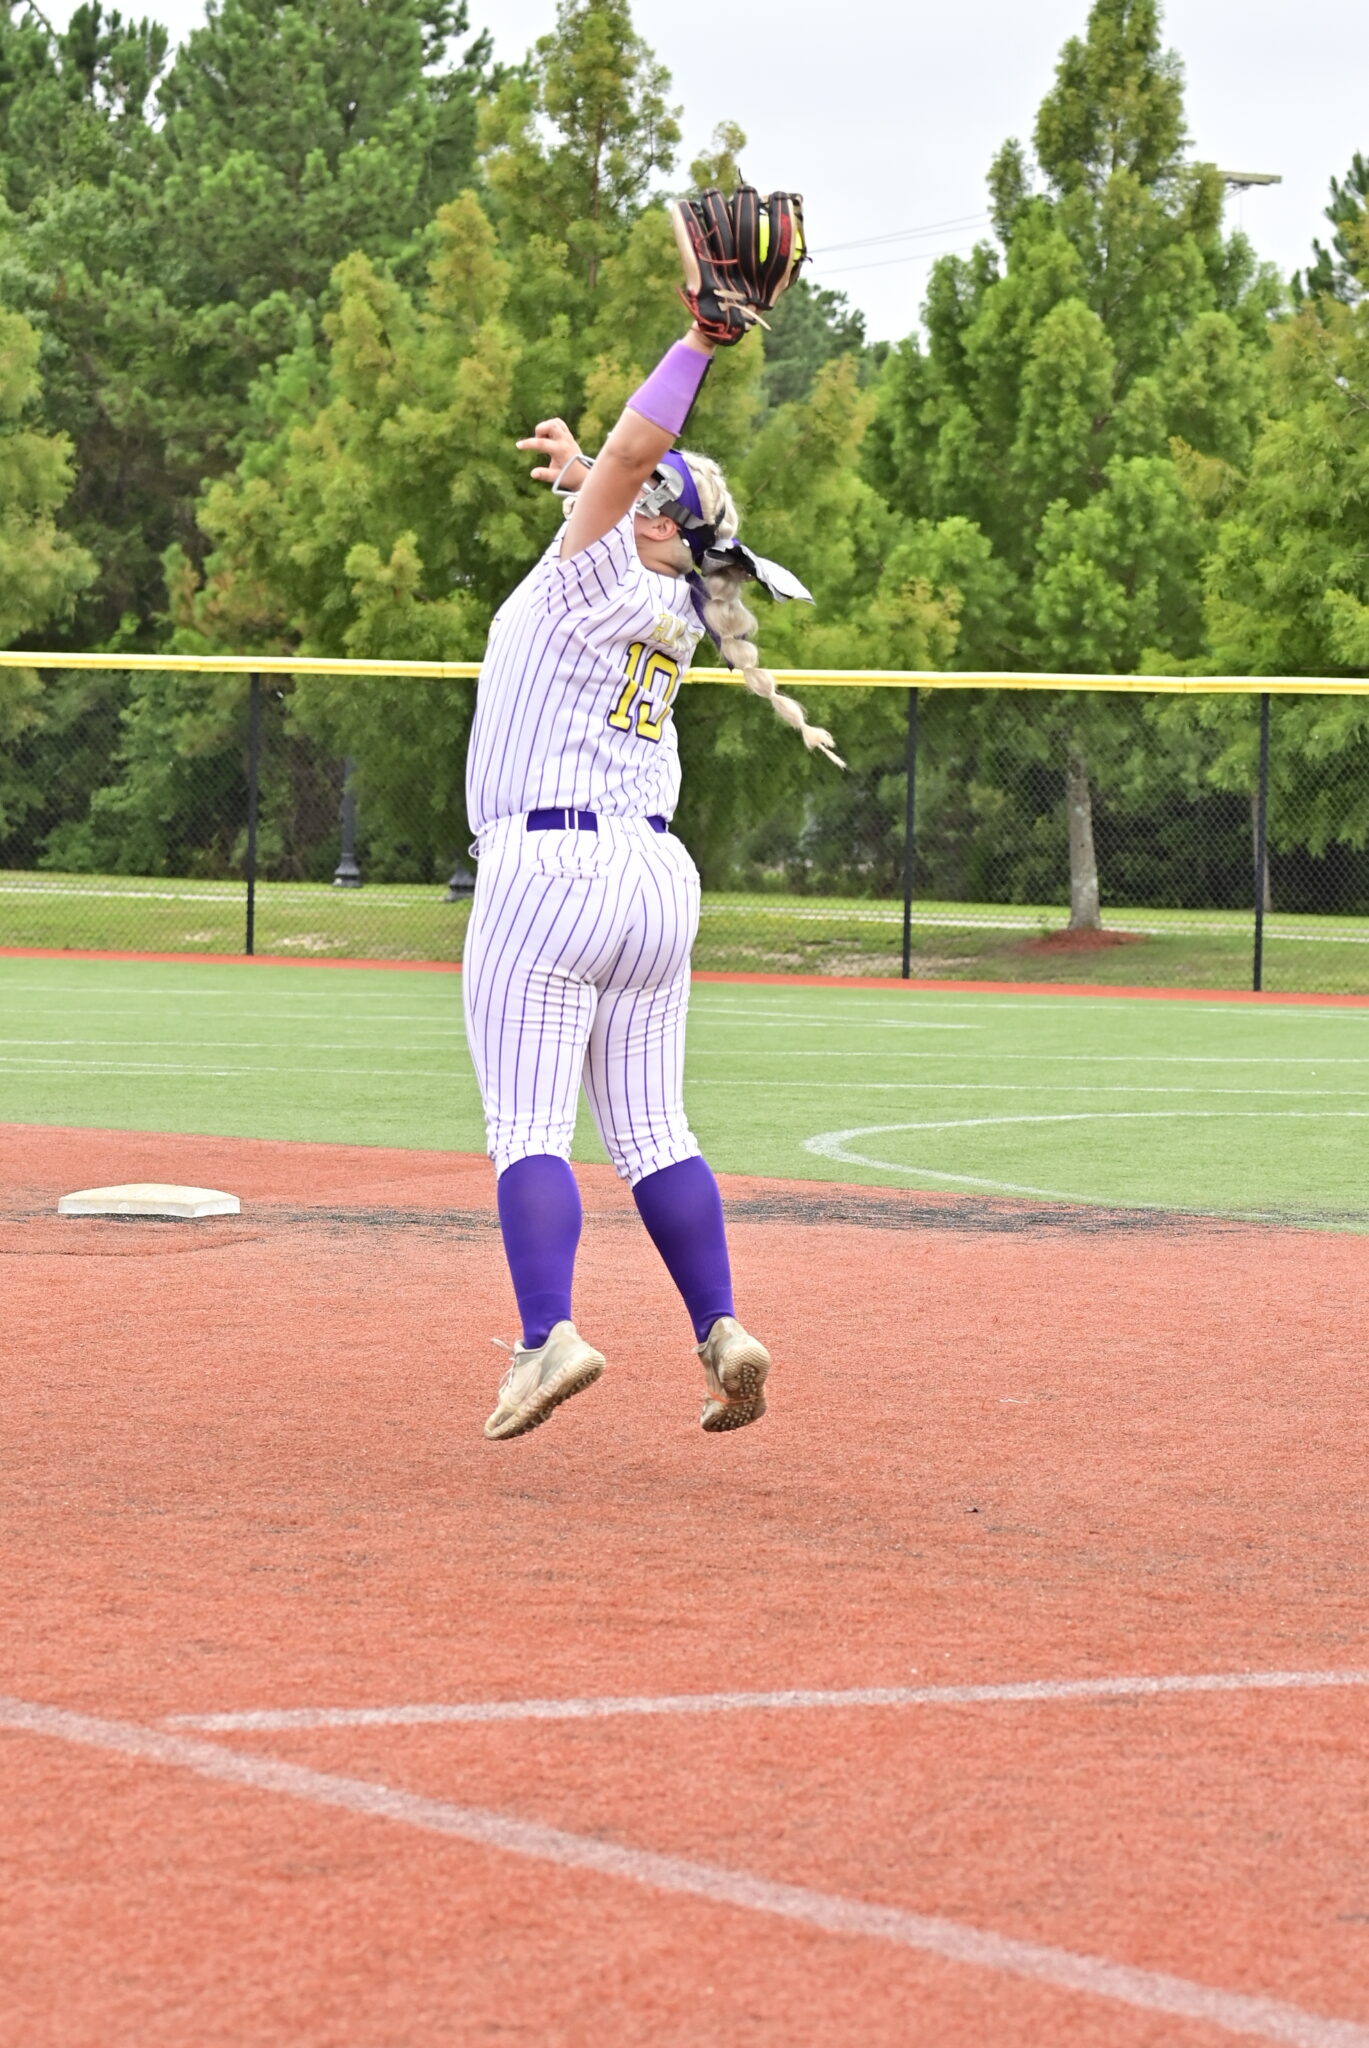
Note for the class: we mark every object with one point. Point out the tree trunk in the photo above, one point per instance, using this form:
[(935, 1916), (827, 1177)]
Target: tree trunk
[(1255, 846), (1084, 913)]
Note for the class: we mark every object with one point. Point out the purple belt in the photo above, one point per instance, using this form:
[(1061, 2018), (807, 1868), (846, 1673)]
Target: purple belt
[(578, 821)]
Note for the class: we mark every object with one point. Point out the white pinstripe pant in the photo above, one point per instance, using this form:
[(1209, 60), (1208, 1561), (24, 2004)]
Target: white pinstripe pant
[(576, 970)]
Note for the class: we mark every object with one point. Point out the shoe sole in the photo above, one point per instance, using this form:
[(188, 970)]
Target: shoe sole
[(744, 1391), (572, 1379)]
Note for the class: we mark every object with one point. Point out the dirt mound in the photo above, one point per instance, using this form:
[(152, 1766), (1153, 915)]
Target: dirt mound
[(1080, 942)]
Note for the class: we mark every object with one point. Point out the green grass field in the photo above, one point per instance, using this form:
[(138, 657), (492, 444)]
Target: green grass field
[(758, 934), (1233, 1108)]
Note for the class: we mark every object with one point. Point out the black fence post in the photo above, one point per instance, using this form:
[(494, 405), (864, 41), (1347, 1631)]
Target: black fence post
[(909, 818), (253, 790), (1261, 843), (347, 874)]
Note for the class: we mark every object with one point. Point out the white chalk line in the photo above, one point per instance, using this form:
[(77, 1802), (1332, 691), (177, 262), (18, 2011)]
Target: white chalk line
[(861, 1056), (431, 1031), (258, 1067), (250, 995), (1087, 1116), (1085, 1088), (833, 1145), (1123, 1008), (1044, 1059), (608, 1708), (871, 1003), (771, 1052), (339, 1022), (841, 1022), (938, 1087), (195, 1071), (1237, 2013)]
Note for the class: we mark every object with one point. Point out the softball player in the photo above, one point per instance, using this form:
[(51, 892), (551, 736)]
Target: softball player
[(576, 969)]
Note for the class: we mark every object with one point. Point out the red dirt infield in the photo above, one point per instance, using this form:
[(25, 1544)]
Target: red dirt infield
[(243, 1470), (983, 988)]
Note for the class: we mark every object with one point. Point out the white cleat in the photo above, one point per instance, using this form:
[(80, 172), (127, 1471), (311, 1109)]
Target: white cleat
[(735, 1366), (541, 1380)]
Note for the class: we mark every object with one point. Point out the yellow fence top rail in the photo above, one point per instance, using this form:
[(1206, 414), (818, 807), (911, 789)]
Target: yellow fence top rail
[(788, 678)]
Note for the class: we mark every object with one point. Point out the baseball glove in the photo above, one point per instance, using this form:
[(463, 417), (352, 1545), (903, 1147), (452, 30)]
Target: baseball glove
[(739, 254)]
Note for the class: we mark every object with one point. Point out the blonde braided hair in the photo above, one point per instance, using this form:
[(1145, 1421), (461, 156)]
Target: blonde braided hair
[(728, 620)]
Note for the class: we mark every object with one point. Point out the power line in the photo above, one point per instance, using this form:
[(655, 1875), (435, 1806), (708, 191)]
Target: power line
[(935, 227), (888, 262)]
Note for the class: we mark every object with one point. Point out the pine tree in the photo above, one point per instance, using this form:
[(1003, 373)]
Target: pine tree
[(72, 101), (601, 94), (294, 131), (1288, 585), (41, 570), (1072, 378), (811, 326), (379, 506), (1338, 272), (200, 247)]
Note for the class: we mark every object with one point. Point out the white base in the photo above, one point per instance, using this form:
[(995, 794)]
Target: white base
[(149, 1198)]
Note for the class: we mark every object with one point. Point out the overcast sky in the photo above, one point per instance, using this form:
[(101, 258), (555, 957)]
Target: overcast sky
[(886, 118)]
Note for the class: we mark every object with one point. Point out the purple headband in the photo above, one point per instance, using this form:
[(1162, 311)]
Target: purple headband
[(677, 495), (689, 490)]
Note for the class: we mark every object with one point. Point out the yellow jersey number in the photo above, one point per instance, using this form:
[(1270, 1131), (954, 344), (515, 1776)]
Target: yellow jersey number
[(653, 680)]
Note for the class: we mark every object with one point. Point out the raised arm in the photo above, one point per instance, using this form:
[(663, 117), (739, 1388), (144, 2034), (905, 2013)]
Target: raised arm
[(650, 422), (739, 255)]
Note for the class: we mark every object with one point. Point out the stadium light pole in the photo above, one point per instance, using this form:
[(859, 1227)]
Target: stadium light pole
[(1242, 181)]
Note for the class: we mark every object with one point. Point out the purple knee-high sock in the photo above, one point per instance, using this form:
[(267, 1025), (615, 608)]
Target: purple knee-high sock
[(539, 1214), (683, 1212)]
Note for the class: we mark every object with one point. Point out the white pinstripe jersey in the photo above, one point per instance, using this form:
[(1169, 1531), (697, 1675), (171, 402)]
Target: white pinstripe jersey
[(580, 674)]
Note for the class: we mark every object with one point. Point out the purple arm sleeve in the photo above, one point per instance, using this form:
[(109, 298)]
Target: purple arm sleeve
[(668, 394)]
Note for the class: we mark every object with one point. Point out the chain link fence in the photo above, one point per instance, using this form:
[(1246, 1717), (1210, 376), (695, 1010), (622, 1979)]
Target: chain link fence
[(1056, 836)]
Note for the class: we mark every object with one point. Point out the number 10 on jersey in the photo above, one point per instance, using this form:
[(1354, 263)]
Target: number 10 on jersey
[(647, 672)]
